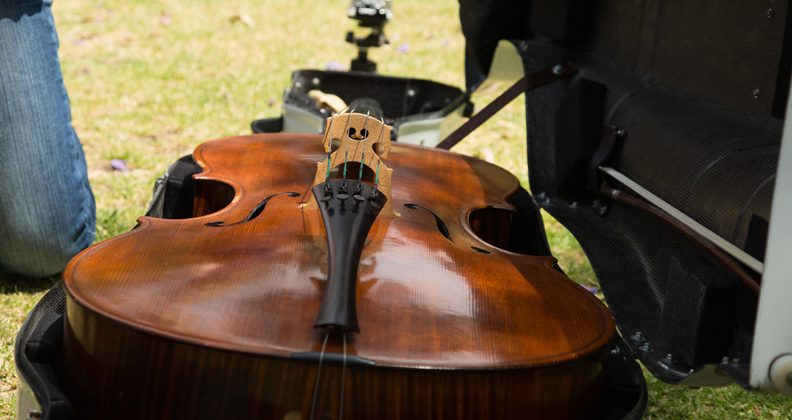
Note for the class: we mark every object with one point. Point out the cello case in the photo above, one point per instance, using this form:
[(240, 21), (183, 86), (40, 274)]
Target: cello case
[(687, 101)]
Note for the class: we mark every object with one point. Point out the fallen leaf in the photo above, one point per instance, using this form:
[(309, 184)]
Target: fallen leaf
[(244, 19)]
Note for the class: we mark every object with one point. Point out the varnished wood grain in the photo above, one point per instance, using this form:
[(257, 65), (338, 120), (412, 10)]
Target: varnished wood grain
[(178, 300), (132, 375)]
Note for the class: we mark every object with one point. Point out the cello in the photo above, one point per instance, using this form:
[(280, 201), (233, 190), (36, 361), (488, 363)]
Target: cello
[(335, 276)]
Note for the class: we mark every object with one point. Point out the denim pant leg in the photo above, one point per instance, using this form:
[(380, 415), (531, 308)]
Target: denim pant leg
[(47, 211)]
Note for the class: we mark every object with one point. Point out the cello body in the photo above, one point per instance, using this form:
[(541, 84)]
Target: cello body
[(215, 316)]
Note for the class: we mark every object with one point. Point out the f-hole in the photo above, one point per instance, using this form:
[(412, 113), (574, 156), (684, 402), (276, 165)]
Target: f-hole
[(257, 210), (441, 225), (505, 229), (211, 196)]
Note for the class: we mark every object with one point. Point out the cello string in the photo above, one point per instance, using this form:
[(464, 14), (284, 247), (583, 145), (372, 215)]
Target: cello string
[(327, 334), (346, 156), (343, 132), (327, 169), (379, 138), (360, 168), (327, 132), (324, 139), (318, 375), (330, 127), (343, 377), (357, 143), (376, 178), (365, 124)]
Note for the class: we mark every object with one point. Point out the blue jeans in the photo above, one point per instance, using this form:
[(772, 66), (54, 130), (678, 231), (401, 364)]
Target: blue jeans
[(47, 211)]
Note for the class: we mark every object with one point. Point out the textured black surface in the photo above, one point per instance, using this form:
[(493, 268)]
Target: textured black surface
[(579, 122), (681, 79), (562, 20), (718, 51), (37, 354), (697, 314), (716, 165), (174, 193)]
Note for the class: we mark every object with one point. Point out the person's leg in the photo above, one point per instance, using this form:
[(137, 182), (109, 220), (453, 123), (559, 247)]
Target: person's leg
[(47, 209)]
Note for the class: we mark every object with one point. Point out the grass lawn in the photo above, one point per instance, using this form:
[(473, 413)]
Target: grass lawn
[(150, 80)]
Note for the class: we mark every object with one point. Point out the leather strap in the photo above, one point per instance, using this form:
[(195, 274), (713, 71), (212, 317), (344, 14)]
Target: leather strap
[(527, 83)]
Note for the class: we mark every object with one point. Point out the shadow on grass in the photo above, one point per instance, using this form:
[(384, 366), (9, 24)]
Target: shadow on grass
[(14, 283)]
